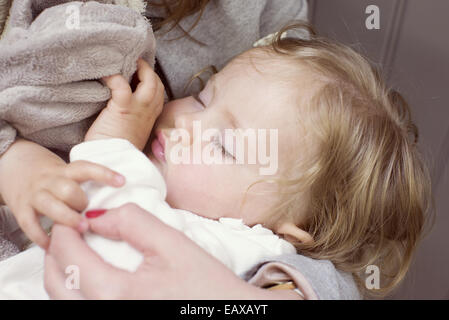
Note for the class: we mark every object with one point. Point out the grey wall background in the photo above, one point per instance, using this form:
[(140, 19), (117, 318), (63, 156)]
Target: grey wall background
[(412, 46)]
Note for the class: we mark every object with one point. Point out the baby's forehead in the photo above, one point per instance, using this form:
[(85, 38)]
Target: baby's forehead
[(259, 60), (281, 77), (274, 66), (285, 95)]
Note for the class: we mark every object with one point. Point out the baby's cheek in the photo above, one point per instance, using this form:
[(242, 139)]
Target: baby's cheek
[(187, 186), (211, 191)]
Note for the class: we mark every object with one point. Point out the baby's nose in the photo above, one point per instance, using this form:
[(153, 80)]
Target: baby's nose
[(184, 121), (183, 129)]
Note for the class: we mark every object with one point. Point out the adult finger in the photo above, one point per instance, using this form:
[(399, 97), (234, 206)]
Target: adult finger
[(82, 171), (47, 204), (98, 280), (55, 281), (139, 228)]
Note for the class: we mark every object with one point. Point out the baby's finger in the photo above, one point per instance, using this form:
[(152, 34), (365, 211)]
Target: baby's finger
[(144, 72), (150, 84), (82, 171), (47, 204), (68, 191), (120, 89), (30, 224)]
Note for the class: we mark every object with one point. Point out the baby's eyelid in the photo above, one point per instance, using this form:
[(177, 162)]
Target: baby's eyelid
[(206, 95), (197, 98)]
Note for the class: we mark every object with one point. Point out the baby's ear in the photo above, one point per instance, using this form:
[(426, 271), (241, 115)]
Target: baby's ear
[(288, 229)]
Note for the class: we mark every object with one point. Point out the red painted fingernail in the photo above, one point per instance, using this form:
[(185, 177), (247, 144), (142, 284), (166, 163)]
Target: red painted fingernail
[(95, 213)]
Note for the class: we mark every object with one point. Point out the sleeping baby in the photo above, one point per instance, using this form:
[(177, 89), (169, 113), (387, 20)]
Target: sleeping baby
[(198, 199), (182, 192), (348, 184)]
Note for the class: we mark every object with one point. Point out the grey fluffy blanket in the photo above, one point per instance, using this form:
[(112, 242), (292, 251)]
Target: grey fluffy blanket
[(12, 239), (49, 70)]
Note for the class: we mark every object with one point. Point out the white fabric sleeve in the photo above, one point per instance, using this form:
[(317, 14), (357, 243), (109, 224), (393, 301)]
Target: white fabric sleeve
[(144, 186), (123, 157)]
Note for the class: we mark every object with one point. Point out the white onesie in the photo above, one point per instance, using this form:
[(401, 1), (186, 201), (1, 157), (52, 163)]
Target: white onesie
[(238, 246)]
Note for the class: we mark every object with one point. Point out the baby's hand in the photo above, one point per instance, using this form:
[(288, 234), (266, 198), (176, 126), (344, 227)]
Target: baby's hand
[(130, 115), (55, 192)]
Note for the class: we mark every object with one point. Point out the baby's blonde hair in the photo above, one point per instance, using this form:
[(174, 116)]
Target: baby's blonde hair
[(368, 187)]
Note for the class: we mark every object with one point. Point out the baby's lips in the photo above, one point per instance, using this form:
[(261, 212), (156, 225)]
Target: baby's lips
[(95, 213)]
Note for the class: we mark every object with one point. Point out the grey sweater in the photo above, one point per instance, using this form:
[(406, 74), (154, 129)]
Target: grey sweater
[(317, 279), (226, 29)]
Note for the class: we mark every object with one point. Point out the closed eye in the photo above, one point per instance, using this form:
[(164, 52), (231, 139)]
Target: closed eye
[(216, 142), (197, 98)]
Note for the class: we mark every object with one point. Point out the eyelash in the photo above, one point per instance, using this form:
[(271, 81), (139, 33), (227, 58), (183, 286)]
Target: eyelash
[(217, 143), (215, 138), (197, 98)]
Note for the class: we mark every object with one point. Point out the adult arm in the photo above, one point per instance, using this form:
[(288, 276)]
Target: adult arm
[(174, 267)]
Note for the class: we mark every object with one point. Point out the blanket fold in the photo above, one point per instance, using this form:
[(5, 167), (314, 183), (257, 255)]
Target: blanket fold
[(50, 66)]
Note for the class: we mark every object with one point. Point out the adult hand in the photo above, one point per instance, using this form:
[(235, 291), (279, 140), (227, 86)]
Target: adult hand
[(173, 267)]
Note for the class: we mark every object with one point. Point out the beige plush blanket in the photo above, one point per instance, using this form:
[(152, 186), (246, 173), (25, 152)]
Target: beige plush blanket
[(49, 88)]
